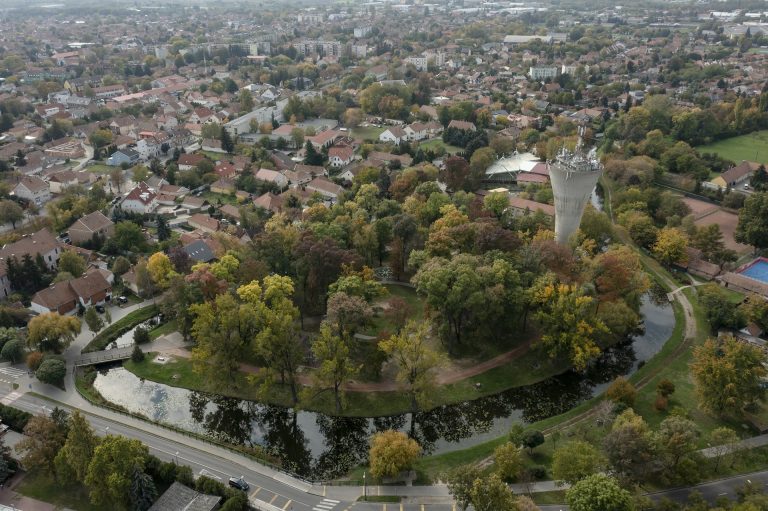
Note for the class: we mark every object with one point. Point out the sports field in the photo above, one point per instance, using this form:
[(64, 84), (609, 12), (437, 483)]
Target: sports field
[(752, 147)]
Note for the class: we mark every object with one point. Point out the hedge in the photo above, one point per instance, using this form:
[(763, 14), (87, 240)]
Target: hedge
[(15, 419), (119, 327)]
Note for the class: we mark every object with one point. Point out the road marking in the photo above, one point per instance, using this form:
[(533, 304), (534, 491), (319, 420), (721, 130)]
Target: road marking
[(721, 494), (257, 491), (325, 505), (331, 501), (10, 398), (12, 372), (401, 506), (274, 498), (287, 504)]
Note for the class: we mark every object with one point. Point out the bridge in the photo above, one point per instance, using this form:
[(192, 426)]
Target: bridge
[(99, 357)]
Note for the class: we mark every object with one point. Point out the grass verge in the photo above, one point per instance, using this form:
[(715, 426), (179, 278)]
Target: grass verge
[(63, 495), (119, 327)]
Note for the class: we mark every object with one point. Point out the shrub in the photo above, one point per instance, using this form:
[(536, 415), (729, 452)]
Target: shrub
[(661, 403), (137, 355), (52, 371), (621, 391), (15, 419), (665, 388), (34, 360), (532, 439), (13, 351), (141, 335)]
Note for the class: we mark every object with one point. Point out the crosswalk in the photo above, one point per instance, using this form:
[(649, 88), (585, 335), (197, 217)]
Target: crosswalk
[(13, 372), (10, 398), (325, 505)]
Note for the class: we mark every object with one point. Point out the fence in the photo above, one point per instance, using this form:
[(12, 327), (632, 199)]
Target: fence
[(197, 436)]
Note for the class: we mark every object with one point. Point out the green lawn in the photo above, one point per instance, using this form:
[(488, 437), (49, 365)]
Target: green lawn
[(752, 147), (216, 156), (69, 495), (437, 143), (100, 168), (380, 320), (214, 198), (367, 133), (165, 328)]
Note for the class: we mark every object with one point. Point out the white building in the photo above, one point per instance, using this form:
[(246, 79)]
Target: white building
[(142, 200), (542, 73), (33, 189), (363, 31), (420, 63)]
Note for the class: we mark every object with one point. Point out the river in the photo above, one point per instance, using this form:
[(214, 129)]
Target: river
[(319, 446)]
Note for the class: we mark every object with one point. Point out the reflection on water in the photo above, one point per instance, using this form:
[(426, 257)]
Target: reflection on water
[(321, 446)]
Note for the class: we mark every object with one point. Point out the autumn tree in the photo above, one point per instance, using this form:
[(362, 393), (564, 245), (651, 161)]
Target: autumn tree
[(75, 455), (490, 493), (392, 452), (598, 492), (110, 471), (160, 269), (43, 438), (723, 441), (335, 366), (71, 263), (52, 332), (348, 313), (416, 361), (568, 323), (10, 212), (460, 481), (676, 439), (670, 246), (618, 274), (621, 391), (728, 375), (630, 447), (508, 461), (575, 460)]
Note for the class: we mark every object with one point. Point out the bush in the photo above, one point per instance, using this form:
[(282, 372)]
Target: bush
[(532, 439), (137, 355), (237, 502), (15, 419), (621, 391), (665, 388), (661, 403), (34, 360), (141, 335), (52, 371), (538, 472), (13, 351), (119, 327)]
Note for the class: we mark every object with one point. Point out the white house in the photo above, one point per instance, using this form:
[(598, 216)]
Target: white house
[(142, 199), (33, 189), (394, 134), (340, 156)]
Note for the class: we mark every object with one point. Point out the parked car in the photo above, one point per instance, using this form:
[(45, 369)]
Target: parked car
[(239, 483), (122, 299), (100, 308)]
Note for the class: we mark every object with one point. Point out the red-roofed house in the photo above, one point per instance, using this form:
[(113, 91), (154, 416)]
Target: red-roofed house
[(340, 156), (142, 199)]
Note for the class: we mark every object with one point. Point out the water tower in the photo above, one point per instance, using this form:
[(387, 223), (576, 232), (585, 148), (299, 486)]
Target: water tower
[(574, 175)]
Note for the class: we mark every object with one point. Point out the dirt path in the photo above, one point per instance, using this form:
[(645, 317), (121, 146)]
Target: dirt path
[(452, 375)]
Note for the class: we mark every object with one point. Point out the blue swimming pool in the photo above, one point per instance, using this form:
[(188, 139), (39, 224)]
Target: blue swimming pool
[(758, 270)]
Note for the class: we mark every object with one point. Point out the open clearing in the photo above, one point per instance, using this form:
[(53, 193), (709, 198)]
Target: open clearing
[(752, 147)]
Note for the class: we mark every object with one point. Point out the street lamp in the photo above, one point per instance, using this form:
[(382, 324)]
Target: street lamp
[(106, 430), (177, 457), (365, 488)]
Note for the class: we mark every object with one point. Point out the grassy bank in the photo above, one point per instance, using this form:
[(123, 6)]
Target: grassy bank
[(528, 369), (119, 327)]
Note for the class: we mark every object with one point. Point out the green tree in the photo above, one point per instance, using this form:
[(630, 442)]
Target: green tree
[(630, 447), (719, 309), (460, 481), (140, 173), (531, 439), (13, 351), (142, 492), (416, 361), (10, 212), (246, 100), (227, 144), (752, 228), (508, 461), (676, 438), (71, 263), (43, 438), (335, 364), (141, 335), (392, 452), (137, 355), (52, 332), (52, 371), (93, 320), (117, 178), (490, 493), (129, 238), (311, 156), (75, 455), (728, 375), (575, 460), (110, 471), (598, 492), (121, 265), (723, 441), (496, 203)]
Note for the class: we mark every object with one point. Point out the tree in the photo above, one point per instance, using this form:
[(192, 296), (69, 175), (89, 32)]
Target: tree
[(93, 320), (129, 238), (227, 144), (34, 360), (311, 156), (121, 265), (140, 173), (460, 481), (71, 263), (137, 356), (598, 492), (163, 231), (496, 203), (508, 461), (246, 100), (568, 322), (618, 274), (52, 332), (142, 492), (630, 447), (490, 493), (335, 366), (141, 335), (52, 372), (718, 308), (415, 360), (116, 178), (670, 247), (109, 474), (709, 239), (10, 212), (348, 313), (160, 269), (398, 311), (392, 452), (43, 438), (297, 136), (728, 375), (752, 228), (723, 442), (532, 439), (456, 173), (575, 460), (144, 282), (676, 438), (75, 455), (13, 351), (622, 391), (665, 388)]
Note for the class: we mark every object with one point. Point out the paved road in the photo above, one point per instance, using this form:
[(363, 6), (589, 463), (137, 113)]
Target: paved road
[(713, 490)]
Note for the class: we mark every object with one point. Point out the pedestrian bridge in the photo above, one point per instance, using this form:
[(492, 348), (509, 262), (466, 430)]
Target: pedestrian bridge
[(100, 357)]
